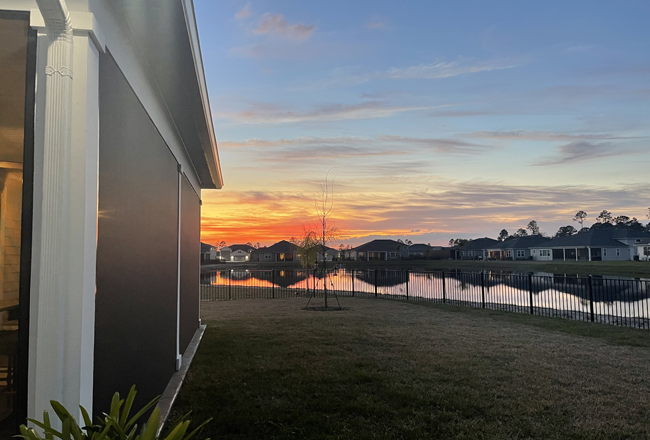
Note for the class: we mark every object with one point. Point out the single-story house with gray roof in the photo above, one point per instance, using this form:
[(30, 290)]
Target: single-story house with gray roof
[(594, 245), (518, 248), (475, 249), (380, 250)]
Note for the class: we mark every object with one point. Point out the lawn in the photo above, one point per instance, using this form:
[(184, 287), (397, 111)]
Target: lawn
[(381, 369)]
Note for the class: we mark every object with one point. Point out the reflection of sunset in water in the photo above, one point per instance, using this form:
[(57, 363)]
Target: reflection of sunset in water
[(613, 297)]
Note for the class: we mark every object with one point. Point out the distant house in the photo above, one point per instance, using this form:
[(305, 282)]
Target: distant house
[(237, 253), (593, 245), (474, 250), (643, 249), (330, 254), (380, 250), (421, 250), (518, 248), (278, 252), (209, 253)]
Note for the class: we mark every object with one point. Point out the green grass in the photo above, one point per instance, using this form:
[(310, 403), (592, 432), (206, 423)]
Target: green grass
[(380, 369)]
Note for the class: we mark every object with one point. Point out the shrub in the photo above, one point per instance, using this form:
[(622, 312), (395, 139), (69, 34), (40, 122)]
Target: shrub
[(116, 425)]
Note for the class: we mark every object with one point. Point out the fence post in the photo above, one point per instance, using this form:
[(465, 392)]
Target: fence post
[(444, 288), (407, 284), (273, 283), (229, 285), (530, 292), (376, 273), (352, 283), (482, 289), (591, 298)]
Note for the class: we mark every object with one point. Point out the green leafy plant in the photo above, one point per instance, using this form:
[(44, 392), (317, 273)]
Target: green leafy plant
[(116, 425)]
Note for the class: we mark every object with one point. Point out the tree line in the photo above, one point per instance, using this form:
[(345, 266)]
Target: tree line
[(604, 220)]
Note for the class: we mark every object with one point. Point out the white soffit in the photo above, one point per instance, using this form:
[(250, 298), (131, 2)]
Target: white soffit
[(167, 35)]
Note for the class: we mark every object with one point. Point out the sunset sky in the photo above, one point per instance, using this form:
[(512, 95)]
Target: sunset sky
[(436, 119)]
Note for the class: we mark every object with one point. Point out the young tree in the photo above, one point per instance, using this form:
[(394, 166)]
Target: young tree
[(604, 217), (257, 245), (503, 235), (580, 218), (307, 246), (249, 244), (533, 227), (327, 232), (221, 244)]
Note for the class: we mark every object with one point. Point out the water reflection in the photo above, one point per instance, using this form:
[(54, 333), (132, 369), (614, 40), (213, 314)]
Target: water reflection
[(608, 296)]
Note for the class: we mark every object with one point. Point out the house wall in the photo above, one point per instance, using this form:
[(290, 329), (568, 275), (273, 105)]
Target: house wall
[(537, 257), (190, 241), (225, 254), (624, 254), (136, 299)]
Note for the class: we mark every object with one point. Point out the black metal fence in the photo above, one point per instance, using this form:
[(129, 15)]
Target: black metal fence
[(623, 302)]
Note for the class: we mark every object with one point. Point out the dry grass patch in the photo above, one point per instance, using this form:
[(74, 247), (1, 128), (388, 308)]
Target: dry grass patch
[(387, 369)]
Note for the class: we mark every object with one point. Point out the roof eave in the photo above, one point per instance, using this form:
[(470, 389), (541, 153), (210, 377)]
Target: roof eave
[(210, 145)]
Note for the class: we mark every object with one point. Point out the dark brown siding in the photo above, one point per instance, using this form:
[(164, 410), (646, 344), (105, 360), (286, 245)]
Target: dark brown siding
[(190, 262), (135, 328)]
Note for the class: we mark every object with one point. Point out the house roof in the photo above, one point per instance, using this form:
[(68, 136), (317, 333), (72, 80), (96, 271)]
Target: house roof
[(205, 247), (479, 244), (525, 242), (166, 34), (596, 238), (419, 247), (281, 247), (240, 247), (621, 234), (379, 246)]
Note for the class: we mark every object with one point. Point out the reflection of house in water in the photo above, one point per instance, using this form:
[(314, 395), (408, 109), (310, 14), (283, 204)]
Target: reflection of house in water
[(604, 290), (384, 278), (282, 278)]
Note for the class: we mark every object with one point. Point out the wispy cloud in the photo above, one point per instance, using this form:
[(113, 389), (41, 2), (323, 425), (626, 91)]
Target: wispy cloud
[(545, 136), (323, 113), (579, 151), (448, 69), (346, 76), (277, 25), (377, 22), (471, 208), (244, 12), (384, 145), (580, 48)]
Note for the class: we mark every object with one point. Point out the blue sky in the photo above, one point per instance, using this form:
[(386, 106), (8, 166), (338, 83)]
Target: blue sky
[(438, 119)]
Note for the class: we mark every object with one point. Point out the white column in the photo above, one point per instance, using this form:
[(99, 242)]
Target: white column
[(49, 284), (82, 259), (576, 254), (589, 250), (564, 254), (62, 309)]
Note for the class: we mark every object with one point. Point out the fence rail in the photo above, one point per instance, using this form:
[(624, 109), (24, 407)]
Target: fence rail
[(623, 302)]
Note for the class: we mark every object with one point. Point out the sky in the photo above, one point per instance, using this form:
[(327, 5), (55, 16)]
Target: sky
[(433, 120)]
